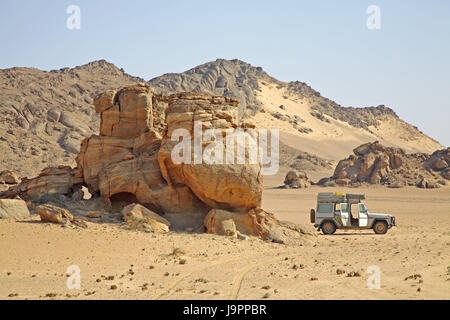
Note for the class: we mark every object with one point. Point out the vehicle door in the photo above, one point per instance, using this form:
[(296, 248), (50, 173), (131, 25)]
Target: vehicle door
[(363, 217), (345, 215)]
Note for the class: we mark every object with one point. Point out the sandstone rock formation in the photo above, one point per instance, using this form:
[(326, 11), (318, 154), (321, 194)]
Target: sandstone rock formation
[(296, 180), (131, 163), (376, 164), (13, 209), (122, 162), (52, 180)]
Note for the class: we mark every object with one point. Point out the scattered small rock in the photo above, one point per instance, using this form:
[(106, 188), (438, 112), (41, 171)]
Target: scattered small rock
[(353, 274), (340, 271)]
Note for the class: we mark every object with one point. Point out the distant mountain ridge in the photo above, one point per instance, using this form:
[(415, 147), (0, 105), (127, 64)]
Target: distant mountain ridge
[(296, 108), (232, 78), (44, 115), (238, 79)]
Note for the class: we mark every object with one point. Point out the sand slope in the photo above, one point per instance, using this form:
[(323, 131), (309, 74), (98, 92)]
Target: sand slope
[(332, 139)]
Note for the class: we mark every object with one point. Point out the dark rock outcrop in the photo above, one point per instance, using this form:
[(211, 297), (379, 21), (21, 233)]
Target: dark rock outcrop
[(376, 164)]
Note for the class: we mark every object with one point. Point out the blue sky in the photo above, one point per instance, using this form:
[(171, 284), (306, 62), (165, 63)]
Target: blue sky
[(404, 65)]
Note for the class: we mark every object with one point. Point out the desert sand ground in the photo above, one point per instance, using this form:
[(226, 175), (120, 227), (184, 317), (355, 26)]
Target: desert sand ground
[(34, 256)]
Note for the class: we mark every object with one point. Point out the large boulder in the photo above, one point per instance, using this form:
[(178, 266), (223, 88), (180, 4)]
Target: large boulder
[(446, 174), (439, 160), (138, 217), (13, 209), (216, 182), (296, 180), (255, 222), (54, 214)]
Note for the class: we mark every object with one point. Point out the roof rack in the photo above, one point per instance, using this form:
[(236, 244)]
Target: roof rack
[(355, 196), (338, 197), (330, 197)]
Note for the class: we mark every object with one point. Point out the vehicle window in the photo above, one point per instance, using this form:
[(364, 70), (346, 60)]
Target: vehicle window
[(362, 208), (325, 208), (344, 207)]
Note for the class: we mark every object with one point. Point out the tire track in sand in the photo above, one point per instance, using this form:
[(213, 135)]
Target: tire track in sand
[(169, 290), (239, 278)]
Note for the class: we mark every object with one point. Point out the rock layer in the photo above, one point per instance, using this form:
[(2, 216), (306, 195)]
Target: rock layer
[(52, 180)]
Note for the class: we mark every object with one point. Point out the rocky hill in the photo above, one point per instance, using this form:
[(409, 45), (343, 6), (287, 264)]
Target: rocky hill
[(45, 115)]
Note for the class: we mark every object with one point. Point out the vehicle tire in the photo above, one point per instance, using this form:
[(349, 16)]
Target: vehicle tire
[(380, 227), (328, 227)]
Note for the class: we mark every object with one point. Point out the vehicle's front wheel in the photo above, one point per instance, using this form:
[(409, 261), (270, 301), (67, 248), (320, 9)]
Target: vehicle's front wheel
[(328, 227), (380, 227)]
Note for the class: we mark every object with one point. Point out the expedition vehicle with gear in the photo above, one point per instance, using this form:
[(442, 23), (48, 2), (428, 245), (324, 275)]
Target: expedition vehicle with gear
[(346, 211)]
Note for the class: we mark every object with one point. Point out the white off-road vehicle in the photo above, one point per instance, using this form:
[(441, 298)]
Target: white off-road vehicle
[(346, 211)]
